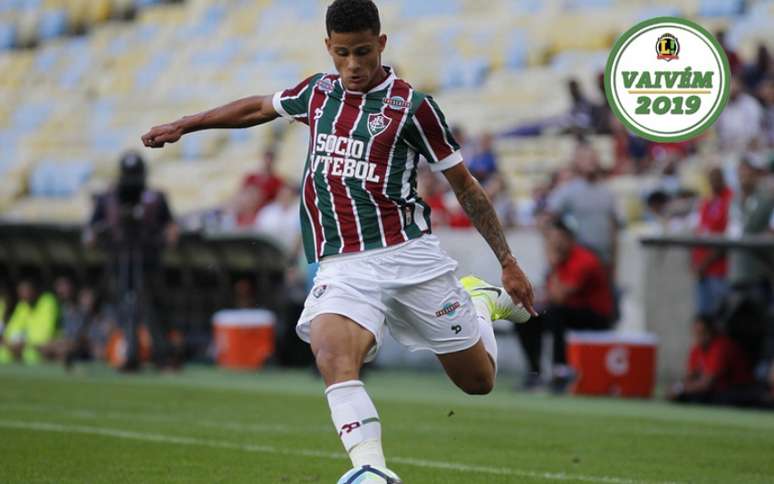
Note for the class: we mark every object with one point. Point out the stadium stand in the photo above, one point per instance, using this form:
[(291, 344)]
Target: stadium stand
[(61, 125)]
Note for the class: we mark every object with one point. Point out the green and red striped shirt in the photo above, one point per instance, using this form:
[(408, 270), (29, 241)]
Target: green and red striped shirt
[(359, 185)]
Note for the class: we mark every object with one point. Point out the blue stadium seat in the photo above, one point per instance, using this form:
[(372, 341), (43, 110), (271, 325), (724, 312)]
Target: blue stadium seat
[(720, 8), (459, 72), (526, 6), (7, 35), (54, 179), (588, 4), (28, 117), (53, 23), (46, 59), (516, 50), (658, 11), (80, 60), (414, 9), (145, 3), (148, 74)]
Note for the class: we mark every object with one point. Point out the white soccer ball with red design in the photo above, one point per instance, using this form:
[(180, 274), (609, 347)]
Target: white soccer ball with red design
[(370, 475)]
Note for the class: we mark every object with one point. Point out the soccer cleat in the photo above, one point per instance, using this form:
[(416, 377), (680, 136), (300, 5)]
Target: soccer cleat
[(498, 301)]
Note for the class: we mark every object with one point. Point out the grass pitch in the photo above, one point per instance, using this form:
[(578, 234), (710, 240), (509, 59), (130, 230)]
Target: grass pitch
[(210, 426)]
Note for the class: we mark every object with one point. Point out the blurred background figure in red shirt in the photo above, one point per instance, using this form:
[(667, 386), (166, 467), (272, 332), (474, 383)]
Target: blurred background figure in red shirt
[(577, 296), (718, 371), (711, 265)]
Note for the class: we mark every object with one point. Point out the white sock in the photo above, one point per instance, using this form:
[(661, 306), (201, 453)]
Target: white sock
[(485, 329), (357, 422)]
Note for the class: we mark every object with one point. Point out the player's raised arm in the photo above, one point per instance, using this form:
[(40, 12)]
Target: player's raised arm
[(242, 113), (479, 209)]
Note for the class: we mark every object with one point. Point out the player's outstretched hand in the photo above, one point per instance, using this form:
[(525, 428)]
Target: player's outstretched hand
[(517, 285), (165, 133)]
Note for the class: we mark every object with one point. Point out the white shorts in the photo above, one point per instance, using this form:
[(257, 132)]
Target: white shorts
[(411, 288)]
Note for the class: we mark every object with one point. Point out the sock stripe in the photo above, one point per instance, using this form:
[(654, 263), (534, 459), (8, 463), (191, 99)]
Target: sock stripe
[(344, 384)]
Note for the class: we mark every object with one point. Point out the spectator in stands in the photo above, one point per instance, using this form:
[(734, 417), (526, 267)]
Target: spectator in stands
[(734, 61), (589, 205), (265, 180), (77, 321), (467, 148), (135, 223), (5, 301), (497, 189), (279, 220), (578, 296), (244, 294), (766, 95), (657, 203), (759, 70), (433, 193), (483, 163), (580, 116), (718, 371), (711, 265), (741, 120), (601, 114), (750, 215), (32, 324)]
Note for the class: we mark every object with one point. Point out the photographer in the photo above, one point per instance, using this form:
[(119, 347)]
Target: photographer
[(134, 223)]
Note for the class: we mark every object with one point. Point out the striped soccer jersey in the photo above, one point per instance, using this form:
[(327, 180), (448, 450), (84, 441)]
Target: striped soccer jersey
[(359, 185)]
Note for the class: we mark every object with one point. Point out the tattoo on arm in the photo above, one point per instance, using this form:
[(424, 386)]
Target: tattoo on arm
[(481, 213)]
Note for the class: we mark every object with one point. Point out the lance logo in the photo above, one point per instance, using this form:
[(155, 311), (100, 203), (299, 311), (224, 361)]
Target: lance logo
[(377, 123), (325, 85), (667, 47), (318, 291), (674, 100)]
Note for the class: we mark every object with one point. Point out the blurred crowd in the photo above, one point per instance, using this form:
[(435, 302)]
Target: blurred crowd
[(63, 323)]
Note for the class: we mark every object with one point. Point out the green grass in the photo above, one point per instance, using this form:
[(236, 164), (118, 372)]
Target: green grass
[(210, 426)]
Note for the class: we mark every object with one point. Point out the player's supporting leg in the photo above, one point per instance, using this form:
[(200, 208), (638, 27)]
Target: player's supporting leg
[(340, 346)]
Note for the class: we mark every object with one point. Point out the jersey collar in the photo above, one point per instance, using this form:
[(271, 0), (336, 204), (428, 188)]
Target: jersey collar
[(379, 87)]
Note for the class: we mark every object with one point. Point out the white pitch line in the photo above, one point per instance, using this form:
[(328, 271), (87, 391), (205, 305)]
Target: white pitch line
[(269, 449)]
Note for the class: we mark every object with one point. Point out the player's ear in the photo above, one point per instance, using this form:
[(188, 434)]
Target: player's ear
[(328, 44), (382, 42)]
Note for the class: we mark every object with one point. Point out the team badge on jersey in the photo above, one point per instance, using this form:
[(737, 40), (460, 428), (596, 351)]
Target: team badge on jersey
[(397, 103), (377, 123), (325, 85)]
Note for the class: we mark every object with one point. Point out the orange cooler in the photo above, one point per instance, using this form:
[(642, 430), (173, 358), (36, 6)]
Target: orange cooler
[(244, 338), (611, 363)]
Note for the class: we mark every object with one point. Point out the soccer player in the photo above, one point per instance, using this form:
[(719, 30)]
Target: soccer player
[(364, 222)]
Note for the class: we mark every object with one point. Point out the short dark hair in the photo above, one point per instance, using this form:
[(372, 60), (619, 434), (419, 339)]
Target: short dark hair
[(563, 225), (346, 16), (707, 320)]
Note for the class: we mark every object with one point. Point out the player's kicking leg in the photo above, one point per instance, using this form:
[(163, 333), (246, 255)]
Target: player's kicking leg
[(474, 369), (340, 347)]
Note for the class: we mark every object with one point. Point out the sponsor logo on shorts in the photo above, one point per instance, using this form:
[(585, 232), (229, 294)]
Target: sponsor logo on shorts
[(318, 291), (456, 328), (448, 309)]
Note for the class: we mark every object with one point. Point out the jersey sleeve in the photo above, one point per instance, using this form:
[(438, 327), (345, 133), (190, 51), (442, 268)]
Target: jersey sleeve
[(428, 133), (293, 103)]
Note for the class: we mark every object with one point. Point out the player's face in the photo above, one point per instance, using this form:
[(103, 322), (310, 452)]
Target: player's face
[(358, 58)]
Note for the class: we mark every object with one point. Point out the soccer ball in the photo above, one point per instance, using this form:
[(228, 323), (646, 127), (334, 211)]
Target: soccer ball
[(370, 475)]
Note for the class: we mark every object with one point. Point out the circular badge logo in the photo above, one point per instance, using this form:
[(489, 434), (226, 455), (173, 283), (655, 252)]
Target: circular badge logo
[(667, 79)]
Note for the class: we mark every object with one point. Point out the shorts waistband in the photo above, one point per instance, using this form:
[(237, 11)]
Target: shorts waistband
[(368, 253)]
